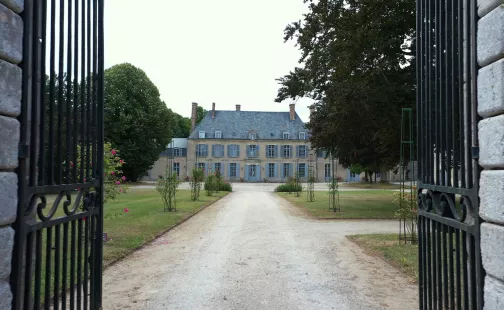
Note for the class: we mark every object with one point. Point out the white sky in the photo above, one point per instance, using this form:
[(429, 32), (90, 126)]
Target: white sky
[(224, 51)]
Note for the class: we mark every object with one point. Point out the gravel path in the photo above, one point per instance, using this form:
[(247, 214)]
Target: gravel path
[(254, 250)]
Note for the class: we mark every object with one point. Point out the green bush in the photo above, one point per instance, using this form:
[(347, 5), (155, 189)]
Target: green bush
[(288, 188), (220, 186)]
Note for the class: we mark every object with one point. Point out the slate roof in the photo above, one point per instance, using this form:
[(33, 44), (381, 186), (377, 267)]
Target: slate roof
[(238, 125)]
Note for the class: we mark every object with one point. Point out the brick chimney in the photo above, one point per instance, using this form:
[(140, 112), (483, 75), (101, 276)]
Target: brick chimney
[(194, 114), (292, 110), (213, 110), (312, 110), (238, 107)]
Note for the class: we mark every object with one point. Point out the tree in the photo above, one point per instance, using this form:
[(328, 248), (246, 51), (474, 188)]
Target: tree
[(200, 114), (181, 126), (357, 63), (136, 120)]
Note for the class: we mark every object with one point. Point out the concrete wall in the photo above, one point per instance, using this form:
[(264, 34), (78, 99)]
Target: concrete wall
[(491, 139), (11, 49)]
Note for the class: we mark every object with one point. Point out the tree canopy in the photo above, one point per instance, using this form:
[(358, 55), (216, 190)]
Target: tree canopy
[(136, 120), (357, 64)]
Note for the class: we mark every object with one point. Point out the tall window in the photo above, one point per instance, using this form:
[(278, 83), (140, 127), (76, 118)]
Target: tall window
[(201, 166), (286, 170), (327, 170), (302, 151), (271, 170), (218, 150), (218, 135), (286, 136), (271, 151), (233, 150), (302, 136), (252, 151), (202, 150), (176, 168), (302, 170), (232, 170), (286, 151), (201, 135), (177, 152), (218, 167)]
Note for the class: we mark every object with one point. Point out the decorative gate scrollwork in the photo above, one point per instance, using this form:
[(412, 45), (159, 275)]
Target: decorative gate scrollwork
[(450, 270)]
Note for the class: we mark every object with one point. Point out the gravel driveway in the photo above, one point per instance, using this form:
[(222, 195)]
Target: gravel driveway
[(254, 250)]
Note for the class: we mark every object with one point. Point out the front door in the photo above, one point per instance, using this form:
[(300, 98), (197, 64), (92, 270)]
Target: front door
[(253, 173)]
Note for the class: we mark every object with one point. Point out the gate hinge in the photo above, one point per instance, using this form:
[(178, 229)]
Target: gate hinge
[(475, 152), (23, 151)]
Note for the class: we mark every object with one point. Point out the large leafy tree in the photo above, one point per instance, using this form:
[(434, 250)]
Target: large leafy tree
[(357, 63), (181, 126), (136, 120)]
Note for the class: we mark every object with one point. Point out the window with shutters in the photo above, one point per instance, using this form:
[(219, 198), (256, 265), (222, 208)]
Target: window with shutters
[(201, 166), (271, 151), (218, 167), (232, 170), (302, 151), (286, 170), (176, 168), (327, 170), (271, 170), (202, 150), (233, 150), (252, 151), (218, 150), (302, 170), (177, 152), (286, 151)]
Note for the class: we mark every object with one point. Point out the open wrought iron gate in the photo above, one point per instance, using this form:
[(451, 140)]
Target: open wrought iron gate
[(57, 259), (450, 273)]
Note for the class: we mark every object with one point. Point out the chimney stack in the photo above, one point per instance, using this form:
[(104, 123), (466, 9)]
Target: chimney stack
[(194, 114), (213, 110), (312, 110), (238, 107), (292, 110)]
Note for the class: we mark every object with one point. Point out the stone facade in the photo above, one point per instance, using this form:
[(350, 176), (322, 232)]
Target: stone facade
[(491, 138), (11, 35)]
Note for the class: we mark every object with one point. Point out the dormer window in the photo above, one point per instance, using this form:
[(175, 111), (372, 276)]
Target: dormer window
[(202, 135), (302, 136), (286, 136), (218, 135), (252, 136)]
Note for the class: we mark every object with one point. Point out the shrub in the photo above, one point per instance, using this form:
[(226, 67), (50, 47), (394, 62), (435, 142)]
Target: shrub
[(220, 186), (211, 184), (288, 188)]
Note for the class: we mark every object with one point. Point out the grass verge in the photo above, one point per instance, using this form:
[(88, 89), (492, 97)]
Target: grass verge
[(364, 185), (127, 231), (145, 219), (402, 256), (354, 204)]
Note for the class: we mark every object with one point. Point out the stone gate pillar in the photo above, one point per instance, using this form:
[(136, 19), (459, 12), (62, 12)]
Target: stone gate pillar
[(11, 45), (491, 137)]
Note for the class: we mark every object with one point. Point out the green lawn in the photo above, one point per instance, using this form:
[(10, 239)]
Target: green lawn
[(354, 204), (127, 231), (402, 256), (373, 185), (144, 220)]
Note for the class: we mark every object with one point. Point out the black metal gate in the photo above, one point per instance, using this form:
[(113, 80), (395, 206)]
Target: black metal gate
[(450, 274), (57, 259)]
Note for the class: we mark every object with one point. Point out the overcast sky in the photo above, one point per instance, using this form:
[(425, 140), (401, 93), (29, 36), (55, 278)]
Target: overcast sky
[(224, 51)]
